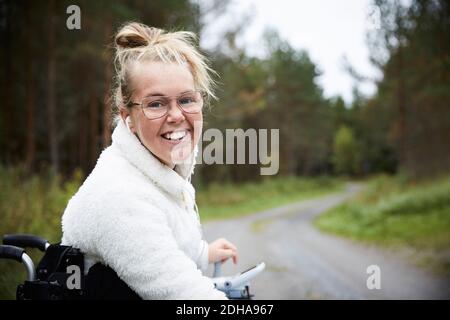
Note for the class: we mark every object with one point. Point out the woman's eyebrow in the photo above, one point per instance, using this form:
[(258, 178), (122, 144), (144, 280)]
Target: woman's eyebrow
[(154, 94), (157, 94)]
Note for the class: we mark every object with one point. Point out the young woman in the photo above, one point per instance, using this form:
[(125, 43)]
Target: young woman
[(136, 211)]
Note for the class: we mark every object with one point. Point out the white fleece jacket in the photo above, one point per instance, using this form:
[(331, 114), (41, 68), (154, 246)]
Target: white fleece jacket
[(138, 216)]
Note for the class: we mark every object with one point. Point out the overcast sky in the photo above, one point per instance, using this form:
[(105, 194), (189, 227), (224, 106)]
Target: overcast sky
[(327, 29)]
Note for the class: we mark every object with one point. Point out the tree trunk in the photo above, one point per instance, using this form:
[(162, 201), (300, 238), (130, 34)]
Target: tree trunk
[(82, 138), (51, 89), (93, 130), (30, 151), (7, 87), (107, 103), (401, 110)]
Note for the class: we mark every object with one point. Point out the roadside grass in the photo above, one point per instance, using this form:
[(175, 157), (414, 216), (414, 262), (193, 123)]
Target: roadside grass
[(223, 201), (30, 204), (396, 213)]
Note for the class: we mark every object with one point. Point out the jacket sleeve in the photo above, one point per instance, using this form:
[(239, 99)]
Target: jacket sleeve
[(203, 256), (139, 245)]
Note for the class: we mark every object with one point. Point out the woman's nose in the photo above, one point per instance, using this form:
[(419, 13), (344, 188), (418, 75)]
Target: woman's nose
[(174, 114)]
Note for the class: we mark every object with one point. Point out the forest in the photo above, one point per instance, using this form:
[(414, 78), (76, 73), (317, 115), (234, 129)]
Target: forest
[(56, 85)]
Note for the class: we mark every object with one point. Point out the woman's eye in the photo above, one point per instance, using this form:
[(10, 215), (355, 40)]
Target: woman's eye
[(186, 100), (154, 104)]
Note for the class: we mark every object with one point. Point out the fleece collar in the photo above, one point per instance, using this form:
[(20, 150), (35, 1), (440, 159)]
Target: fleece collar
[(173, 181)]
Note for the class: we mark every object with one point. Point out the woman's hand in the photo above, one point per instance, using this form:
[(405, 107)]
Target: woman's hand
[(221, 250)]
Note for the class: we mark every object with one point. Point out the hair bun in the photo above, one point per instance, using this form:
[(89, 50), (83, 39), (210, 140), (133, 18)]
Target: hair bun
[(134, 35), (131, 41)]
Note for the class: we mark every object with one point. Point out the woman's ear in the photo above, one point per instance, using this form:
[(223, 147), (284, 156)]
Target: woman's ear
[(124, 114), (126, 118)]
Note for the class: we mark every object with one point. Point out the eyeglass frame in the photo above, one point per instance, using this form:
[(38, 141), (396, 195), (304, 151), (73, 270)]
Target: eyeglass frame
[(169, 98)]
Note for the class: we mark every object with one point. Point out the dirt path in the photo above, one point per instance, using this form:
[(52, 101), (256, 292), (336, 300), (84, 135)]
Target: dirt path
[(304, 263)]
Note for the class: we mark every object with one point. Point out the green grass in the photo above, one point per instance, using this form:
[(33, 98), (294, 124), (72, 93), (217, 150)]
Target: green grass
[(229, 200), (396, 213), (30, 204)]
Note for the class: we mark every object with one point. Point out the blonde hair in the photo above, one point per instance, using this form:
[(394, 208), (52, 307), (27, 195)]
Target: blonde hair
[(136, 42)]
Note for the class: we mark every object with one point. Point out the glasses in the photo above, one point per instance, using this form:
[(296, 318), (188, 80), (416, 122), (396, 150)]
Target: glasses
[(155, 107)]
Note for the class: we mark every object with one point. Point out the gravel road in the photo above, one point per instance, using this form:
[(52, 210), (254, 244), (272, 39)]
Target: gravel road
[(304, 263)]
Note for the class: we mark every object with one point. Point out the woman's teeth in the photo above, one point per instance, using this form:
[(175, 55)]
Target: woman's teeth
[(177, 135)]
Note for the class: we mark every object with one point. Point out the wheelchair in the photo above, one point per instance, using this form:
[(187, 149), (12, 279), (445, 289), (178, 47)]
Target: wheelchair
[(52, 278)]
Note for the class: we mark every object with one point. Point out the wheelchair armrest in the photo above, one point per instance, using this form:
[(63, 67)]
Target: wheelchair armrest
[(19, 254), (11, 252), (25, 241)]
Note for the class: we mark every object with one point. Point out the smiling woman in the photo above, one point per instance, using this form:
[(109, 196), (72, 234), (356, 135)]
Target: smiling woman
[(165, 128), (136, 211)]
